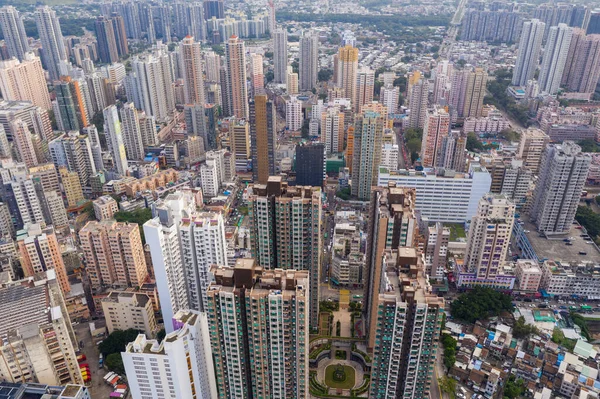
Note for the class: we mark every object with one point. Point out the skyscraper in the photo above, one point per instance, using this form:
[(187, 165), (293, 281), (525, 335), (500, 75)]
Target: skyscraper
[(53, 46), (531, 148), (13, 31), (186, 367), (118, 27), (582, 73), (529, 51), (563, 171), (24, 81), (237, 94), (285, 230), (436, 128), (132, 134), (189, 20), (436, 250), (263, 141), (407, 326), (22, 138), (107, 44), (268, 322), (193, 80), (150, 84), (71, 187), (555, 57), (347, 71), (332, 130), (162, 235), (368, 136), (310, 164), (202, 238), (389, 96), (309, 61), (293, 114), (40, 251), (71, 111), (392, 224), (365, 86), (475, 89), (280, 56), (417, 104), (114, 139), (257, 73), (74, 152), (113, 253)]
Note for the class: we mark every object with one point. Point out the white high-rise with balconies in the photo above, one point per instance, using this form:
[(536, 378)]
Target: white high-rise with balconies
[(114, 139), (529, 51), (13, 30), (555, 58), (293, 114), (280, 56), (53, 44)]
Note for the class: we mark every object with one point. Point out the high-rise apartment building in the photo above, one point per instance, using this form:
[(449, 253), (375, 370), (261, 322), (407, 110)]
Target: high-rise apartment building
[(54, 207), (453, 149), (563, 171), (53, 44), (191, 67), (285, 231), (107, 44), (13, 30), (435, 130), (189, 20), (474, 92), (114, 139), (24, 80), (407, 328), (236, 93), (417, 103), (368, 136), (202, 237), (19, 192), (488, 240), (262, 134), (259, 331), (555, 58), (257, 73), (293, 114), (292, 82), (582, 70), (332, 129), (529, 51), (118, 27), (39, 251), (24, 142), (280, 56), (162, 235), (132, 133), (531, 147), (71, 187), (72, 103), (365, 86), (39, 344), (149, 85), (239, 133), (347, 71), (436, 250), (309, 61), (392, 224), (389, 96), (75, 152), (310, 164), (114, 254), (179, 367)]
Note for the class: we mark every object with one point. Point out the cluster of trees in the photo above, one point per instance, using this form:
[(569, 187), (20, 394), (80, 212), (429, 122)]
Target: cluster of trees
[(325, 75), (588, 145), (580, 321), (413, 139), (112, 347), (514, 388), (500, 98), (448, 385), (139, 216), (450, 347), (344, 194), (399, 20), (521, 330), (473, 143), (588, 219), (68, 27), (480, 303)]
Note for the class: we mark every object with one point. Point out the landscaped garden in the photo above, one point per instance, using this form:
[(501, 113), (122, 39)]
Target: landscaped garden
[(340, 376)]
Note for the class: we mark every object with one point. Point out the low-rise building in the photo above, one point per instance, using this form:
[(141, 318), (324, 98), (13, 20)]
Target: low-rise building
[(528, 274), (125, 310), (582, 280), (105, 207)]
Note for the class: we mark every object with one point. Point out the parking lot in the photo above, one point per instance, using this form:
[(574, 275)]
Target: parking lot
[(97, 387)]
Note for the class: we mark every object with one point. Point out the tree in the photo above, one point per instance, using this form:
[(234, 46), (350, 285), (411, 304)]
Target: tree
[(588, 145), (114, 362), (325, 75), (98, 121), (588, 219), (514, 388), (117, 341), (218, 49), (161, 335), (473, 143), (450, 346), (479, 304), (269, 76), (295, 66), (448, 385), (510, 135), (268, 54), (401, 83), (522, 330)]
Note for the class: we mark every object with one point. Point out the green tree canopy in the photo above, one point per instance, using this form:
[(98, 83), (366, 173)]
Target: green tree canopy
[(114, 362), (479, 304), (117, 341), (473, 143)]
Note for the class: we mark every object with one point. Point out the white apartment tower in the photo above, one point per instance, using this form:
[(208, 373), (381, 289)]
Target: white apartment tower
[(563, 171), (202, 237), (13, 30), (365, 85), (555, 58), (24, 80), (114, 139), (293, 114), (529, 51), (280, 56), (332, 129), (132, 134), (191, 68), (162, 235), (488, 238), (53, 43), (179, 367), (309, 61)]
